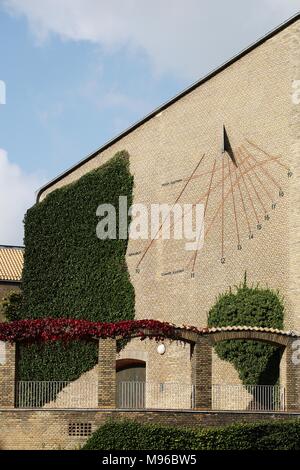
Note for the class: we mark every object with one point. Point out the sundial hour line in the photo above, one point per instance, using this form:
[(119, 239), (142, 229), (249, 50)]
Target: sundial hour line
[(219, 208), (177, 199), (255, 190), (205, 210), (267, 154), (243, 203), (234, 208), (240, 193), (264, 170), (248, 192), (241, 177)]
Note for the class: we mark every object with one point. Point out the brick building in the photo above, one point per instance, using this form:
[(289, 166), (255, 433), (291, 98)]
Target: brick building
[(11, 265), (254, 95), (244, 118)]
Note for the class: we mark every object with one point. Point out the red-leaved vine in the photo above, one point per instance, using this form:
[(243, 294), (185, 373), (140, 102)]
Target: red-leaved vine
[(67, 329)]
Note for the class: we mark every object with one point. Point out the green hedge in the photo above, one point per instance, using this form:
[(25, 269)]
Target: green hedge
[(256, 362), (69, 272), (130, 435)]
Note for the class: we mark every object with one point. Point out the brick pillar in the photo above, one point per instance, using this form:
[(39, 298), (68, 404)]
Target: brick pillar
[(7, 374), (293, 376), (201, 372), (107, 373)]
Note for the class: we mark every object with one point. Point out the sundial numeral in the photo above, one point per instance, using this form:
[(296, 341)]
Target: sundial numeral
[(246, 199)]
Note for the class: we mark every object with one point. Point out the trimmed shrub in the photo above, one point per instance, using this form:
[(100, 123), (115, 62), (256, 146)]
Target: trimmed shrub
[(131, 435), (256, 362)]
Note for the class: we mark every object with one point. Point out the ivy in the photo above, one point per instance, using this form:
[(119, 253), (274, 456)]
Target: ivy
[(11, 304), (67, 329), (70, 273), (256, 362)]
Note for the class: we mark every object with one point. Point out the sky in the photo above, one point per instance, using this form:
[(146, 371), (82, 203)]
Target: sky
[(78, 72)]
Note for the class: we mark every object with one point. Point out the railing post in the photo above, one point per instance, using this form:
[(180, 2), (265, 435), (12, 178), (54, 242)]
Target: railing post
[(107, 373), (7, 374), (201, 358), (293, 376)]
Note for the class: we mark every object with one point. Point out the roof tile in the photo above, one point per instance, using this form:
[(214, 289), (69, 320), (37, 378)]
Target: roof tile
[(11, 263)]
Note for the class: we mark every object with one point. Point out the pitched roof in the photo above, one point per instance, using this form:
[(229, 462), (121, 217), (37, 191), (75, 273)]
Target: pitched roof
[(169, 103), (11, 263)]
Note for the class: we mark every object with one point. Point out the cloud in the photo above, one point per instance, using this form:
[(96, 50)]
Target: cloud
[(16, 196), (283, 5), (109, 97), (185, 38)]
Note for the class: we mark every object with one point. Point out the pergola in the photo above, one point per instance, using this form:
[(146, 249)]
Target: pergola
[(201, 344)]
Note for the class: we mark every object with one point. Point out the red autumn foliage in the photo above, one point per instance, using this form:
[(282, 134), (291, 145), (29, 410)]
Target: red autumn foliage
[(68, 329)]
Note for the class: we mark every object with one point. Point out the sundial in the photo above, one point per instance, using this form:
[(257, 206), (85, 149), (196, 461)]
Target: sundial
[(240, 189)]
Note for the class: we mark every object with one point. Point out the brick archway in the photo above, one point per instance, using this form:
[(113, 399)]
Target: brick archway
[(283, 339), (275, 337), (201, 357), (201, 344)]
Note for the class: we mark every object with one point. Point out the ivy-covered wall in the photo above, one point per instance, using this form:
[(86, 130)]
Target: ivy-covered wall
[(69, 272)]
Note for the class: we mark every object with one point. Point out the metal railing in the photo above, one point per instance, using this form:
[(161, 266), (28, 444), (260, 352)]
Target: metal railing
[(248, 397), (167, 395), (142, 395), (131, 395), (56, 394)]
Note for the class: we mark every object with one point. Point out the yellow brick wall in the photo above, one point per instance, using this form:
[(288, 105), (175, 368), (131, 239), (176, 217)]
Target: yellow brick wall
[(49, 430), (252, 97)]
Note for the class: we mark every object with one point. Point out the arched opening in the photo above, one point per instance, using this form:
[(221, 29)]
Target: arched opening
[(131, 383), (267, 393)]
